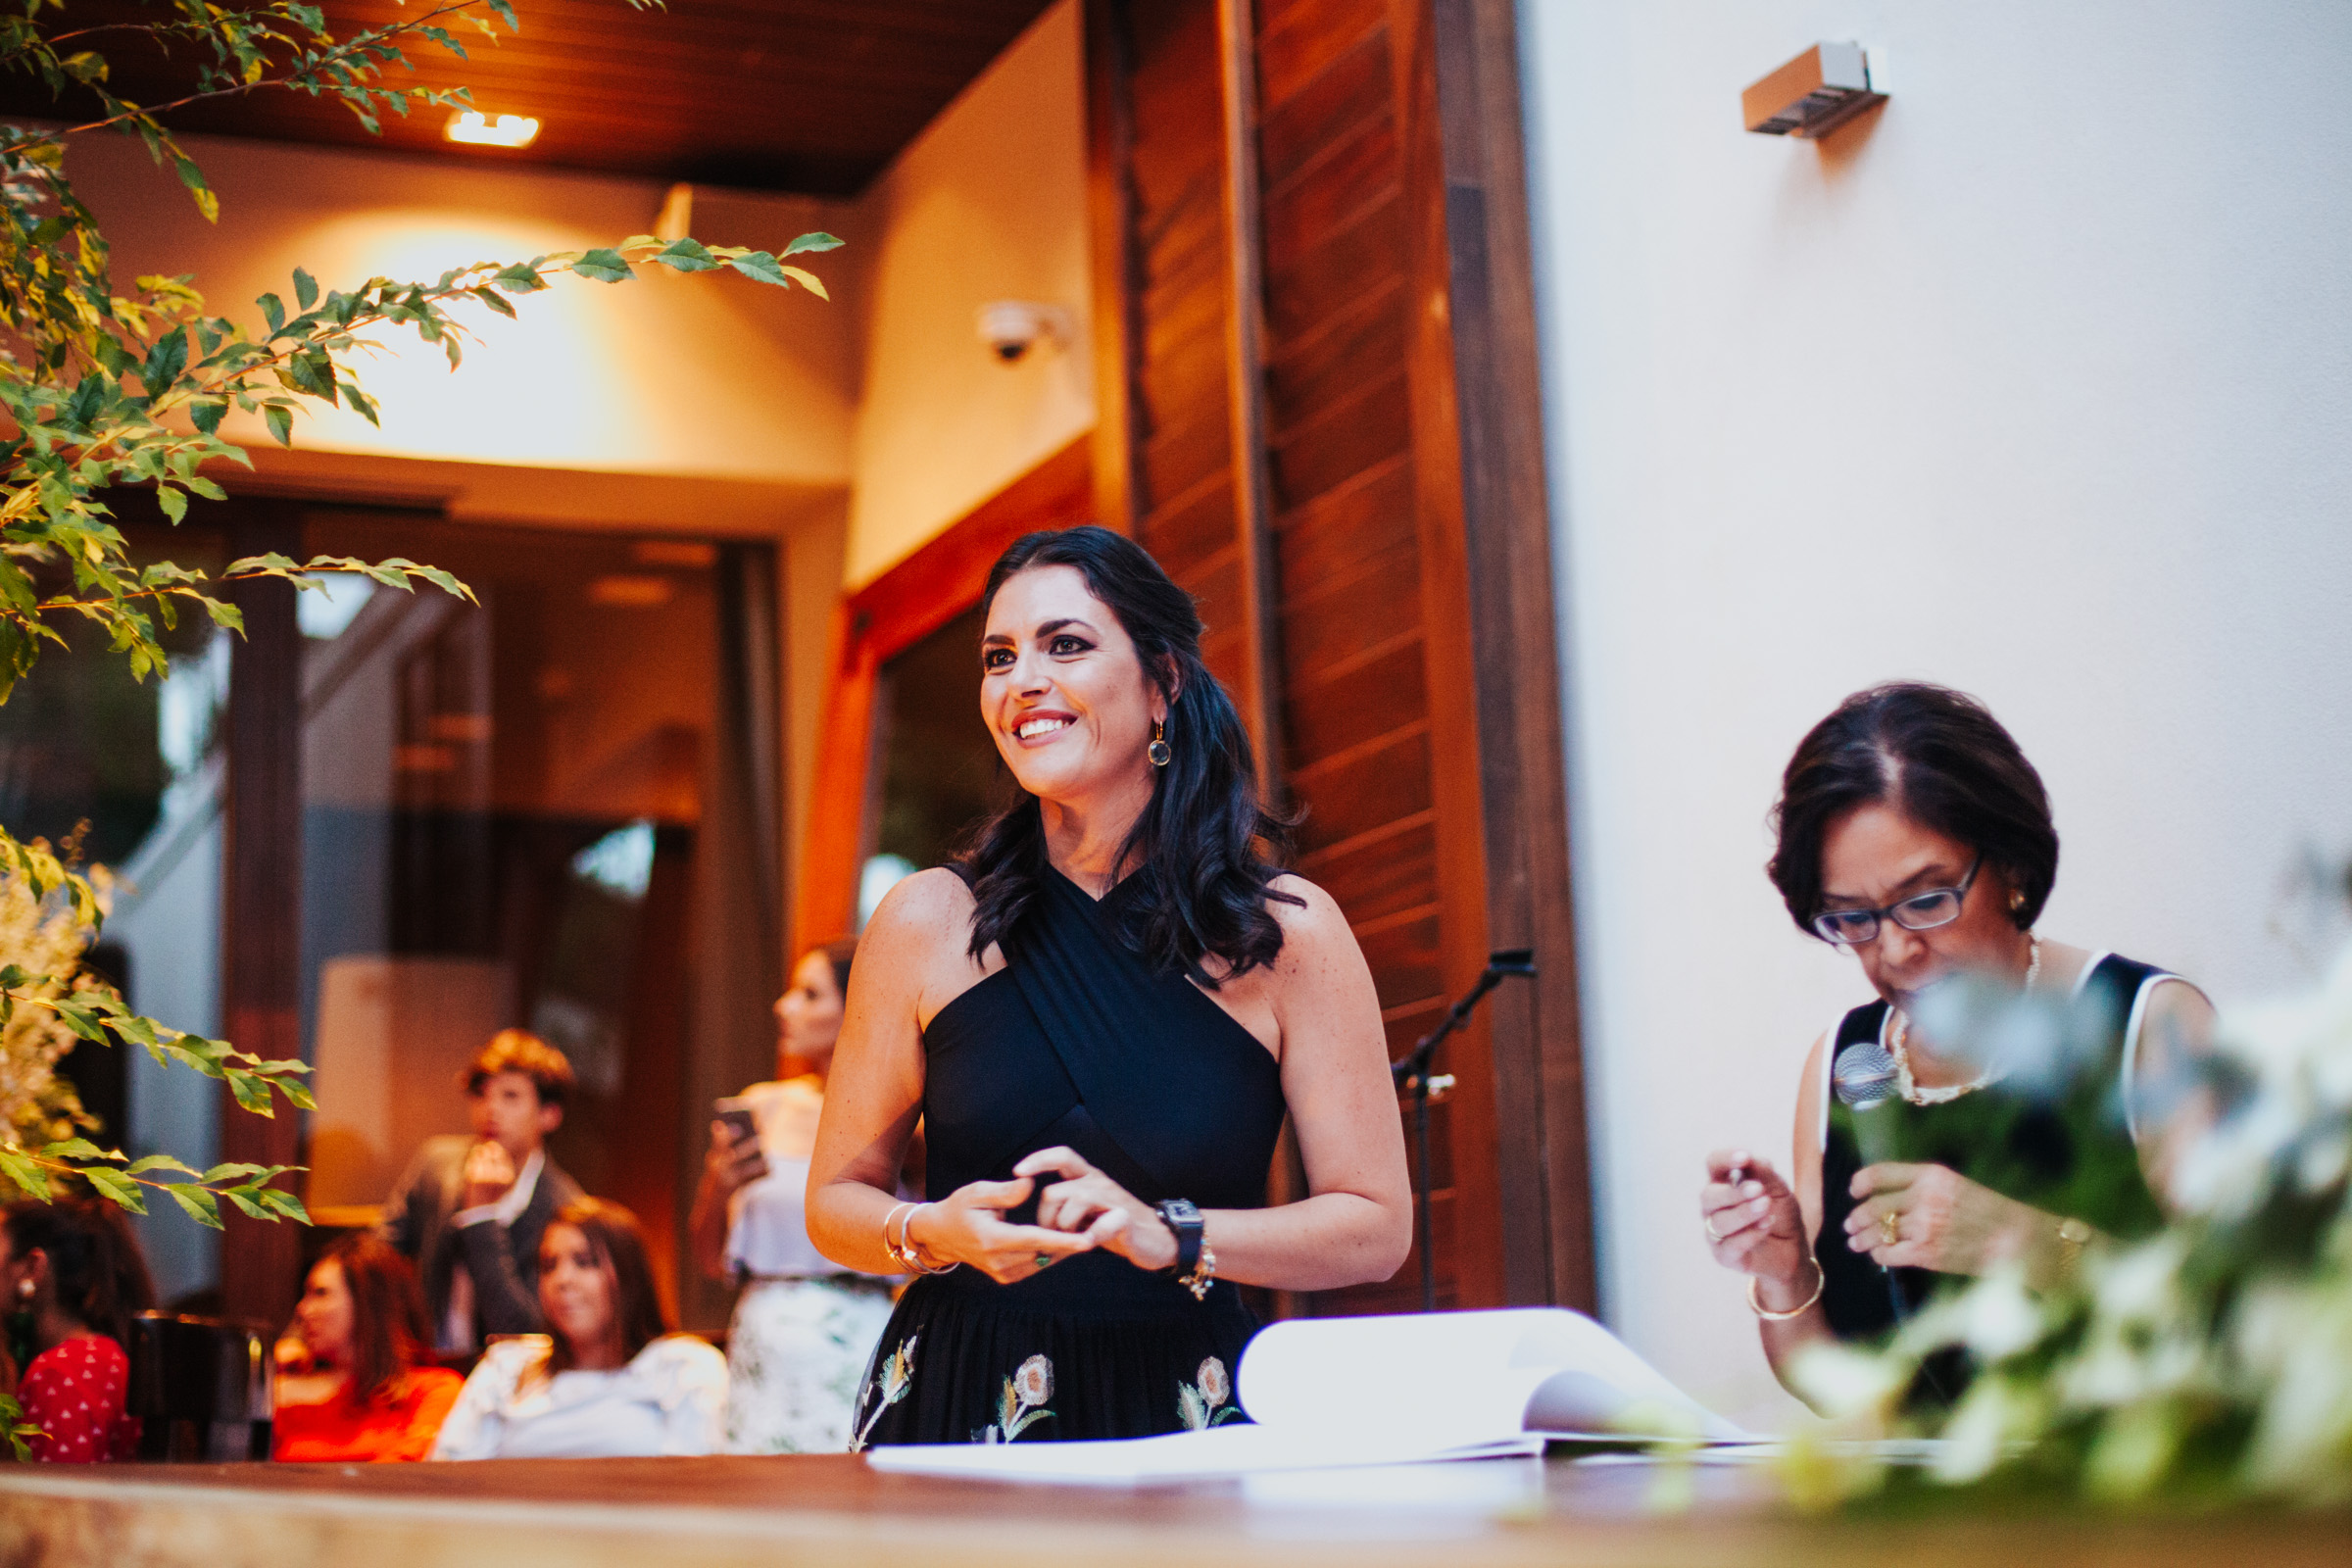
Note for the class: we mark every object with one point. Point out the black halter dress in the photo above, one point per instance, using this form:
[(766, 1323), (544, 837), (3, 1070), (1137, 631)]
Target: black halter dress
[(1077, 1041), (2062, 1144)]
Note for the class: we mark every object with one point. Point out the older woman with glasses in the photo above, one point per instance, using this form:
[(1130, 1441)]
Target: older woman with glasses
[(1914, 835)]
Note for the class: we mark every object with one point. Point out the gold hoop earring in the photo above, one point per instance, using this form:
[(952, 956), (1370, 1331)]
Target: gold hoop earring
[(1158, 751)]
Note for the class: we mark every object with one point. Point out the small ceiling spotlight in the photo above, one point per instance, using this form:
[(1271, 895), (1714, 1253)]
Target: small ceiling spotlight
[(477, 129), (1012, 327), (1813, 94)]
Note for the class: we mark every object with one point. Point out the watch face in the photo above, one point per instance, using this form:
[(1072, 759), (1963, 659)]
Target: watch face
[(1181, 1209)]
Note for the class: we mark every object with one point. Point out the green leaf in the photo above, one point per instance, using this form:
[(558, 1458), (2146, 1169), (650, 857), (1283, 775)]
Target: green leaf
[(140, 1167), (685, 256), (818, 241), (490, 297), (604, 266), (762, 265), (521, 279), (205, 414), (115, 1185), (193, 177), (286, 1204), (306, 289), (244, 1199), (282, 423), (173, 502), (252, 1093), (201, 1205), (77, 1148), (273, 312), (25, 1173)]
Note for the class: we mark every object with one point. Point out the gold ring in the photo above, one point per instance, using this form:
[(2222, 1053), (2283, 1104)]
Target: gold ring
[(1890, 1228), (1707, 1221)]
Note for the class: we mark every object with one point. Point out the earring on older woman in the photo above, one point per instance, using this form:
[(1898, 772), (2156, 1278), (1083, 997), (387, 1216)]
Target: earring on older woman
[(1158, 751)]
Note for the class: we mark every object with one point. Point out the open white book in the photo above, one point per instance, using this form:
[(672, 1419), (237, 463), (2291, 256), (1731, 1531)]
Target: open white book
[(1354, 1390)]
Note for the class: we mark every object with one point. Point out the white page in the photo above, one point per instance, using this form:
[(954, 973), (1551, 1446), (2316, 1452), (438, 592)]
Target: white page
[(1229, 1450), (1462, 1377)]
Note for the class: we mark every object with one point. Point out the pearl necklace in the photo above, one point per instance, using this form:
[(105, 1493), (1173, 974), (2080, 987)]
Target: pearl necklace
[(1898, 1046)]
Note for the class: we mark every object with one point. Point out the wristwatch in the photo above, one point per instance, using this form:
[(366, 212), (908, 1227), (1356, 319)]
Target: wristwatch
[(1180, 1216)]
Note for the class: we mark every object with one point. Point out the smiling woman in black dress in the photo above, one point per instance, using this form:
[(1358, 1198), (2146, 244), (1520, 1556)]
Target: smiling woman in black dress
[(1101, 1014)]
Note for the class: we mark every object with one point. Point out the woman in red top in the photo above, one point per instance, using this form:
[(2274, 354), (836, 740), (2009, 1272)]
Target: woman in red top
[(73, 1270), (354, 1382)]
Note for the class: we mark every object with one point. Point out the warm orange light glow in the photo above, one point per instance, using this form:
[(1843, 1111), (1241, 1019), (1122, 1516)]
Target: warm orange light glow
[(473, 126)]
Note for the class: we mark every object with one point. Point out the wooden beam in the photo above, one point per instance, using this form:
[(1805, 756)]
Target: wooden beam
[(1111, 202), (897, 610), (1477, 274), (261, 913), (1246, 388)]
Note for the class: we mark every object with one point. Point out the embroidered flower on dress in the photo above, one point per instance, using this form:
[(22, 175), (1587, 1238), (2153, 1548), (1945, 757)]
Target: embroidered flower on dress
[(892, 1380), (1020, 1404), (1201, 1403), (1034, 1382)]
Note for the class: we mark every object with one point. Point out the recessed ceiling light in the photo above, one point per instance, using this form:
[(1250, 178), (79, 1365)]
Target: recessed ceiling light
[(472, 127)]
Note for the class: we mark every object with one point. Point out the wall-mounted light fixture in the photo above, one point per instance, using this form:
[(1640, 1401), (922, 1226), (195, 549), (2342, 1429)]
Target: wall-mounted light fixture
[(476, 128), (1813, 94)]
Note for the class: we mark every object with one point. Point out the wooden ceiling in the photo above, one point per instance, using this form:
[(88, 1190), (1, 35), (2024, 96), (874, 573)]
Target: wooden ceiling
[(814, 96)]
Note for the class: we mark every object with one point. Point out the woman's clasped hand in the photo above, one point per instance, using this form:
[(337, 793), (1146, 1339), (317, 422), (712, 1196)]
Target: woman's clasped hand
[(1932, 1217), (968, 1225)]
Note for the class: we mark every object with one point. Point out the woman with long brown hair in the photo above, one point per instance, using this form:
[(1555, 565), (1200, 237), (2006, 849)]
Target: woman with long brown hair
[(356, 1383), (609, 1379), (1101, 1016)]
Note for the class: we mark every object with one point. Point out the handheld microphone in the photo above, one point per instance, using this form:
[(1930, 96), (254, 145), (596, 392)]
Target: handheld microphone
[(1864, 1078)]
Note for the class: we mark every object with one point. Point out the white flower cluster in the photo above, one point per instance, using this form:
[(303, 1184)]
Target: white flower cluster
[(2214, 1357)]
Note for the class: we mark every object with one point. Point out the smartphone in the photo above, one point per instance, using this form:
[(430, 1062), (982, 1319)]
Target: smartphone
[(740, 1122)]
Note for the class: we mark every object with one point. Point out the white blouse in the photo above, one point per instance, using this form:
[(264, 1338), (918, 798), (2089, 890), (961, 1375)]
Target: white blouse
[(767, 1220), (670, 1400)]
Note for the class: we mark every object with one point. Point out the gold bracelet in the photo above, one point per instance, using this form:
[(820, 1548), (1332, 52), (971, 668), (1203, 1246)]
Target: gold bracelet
[(1821, 1282), (905, 1251), (1205, 1272), (887, 1244)]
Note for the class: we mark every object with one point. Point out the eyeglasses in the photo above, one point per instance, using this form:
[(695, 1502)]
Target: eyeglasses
[(1922, 911)]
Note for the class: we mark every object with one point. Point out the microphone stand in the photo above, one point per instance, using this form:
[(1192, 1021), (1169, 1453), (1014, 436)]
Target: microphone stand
[(1413, 1073)]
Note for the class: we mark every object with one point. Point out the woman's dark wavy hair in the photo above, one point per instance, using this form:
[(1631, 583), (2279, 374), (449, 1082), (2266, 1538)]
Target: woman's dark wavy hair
[(1937, 755), (1204, 851), (391, 1330), (94, 1261)]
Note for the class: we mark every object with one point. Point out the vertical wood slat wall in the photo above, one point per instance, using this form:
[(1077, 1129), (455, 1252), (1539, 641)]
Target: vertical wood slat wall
[(1361, 626)]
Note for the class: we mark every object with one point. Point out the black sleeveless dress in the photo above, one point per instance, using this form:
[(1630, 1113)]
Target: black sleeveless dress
[(2063, 1144), (1077, 1041)]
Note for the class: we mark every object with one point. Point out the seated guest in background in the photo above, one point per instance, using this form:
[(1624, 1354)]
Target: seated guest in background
[(1101, 1016), (470, 1210), (73, 1270), (1914, 834), (804, 1327), (355, 1380), (608, 1379)]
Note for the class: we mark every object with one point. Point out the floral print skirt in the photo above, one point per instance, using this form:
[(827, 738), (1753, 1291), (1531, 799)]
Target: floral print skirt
[(796, 1352), (965, 1360)]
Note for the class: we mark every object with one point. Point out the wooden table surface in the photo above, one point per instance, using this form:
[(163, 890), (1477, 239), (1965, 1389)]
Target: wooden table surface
[(725, 1512)]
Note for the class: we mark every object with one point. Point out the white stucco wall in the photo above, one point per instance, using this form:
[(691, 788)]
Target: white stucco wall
[(2036, 384), (988, 203)]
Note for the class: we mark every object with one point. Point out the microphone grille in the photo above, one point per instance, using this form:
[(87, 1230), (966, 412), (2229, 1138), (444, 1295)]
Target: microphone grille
[(1864, 1075)]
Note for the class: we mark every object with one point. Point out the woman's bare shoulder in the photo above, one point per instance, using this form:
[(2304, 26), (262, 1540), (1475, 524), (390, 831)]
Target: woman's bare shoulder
[(922, 910), (1314, 927)]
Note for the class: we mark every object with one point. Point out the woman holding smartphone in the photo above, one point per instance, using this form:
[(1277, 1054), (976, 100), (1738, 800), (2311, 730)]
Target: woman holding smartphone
[(803, 1326)]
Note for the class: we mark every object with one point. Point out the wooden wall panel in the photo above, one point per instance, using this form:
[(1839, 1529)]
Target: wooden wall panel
[(1329, 446)]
